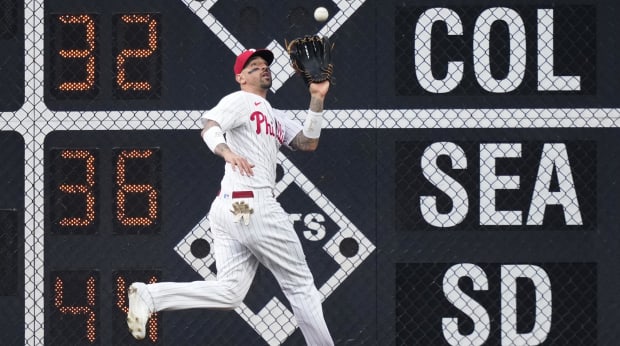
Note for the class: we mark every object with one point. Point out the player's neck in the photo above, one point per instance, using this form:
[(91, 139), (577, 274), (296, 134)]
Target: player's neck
[(256, 91)]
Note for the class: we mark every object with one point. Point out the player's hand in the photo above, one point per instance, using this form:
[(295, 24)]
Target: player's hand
[(239, 163), (319, 89)]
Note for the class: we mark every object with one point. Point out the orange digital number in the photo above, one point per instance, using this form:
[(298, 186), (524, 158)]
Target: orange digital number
[(88, 309), (87, 53), (139, 53), (125, 188), (85, 189)]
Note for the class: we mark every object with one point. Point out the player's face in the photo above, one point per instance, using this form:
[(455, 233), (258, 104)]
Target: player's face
[(257, 72)]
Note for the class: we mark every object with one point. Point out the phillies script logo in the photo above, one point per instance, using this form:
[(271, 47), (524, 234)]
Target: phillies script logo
[(270, 129)]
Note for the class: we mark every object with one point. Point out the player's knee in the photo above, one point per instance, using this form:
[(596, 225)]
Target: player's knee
[(234, 297), (236, 301), (307, 292)]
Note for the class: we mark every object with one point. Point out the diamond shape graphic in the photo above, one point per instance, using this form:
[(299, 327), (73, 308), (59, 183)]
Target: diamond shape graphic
[(280, 68), (274, 322)]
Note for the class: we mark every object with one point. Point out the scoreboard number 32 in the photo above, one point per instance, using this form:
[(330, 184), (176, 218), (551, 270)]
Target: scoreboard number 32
[(76, 64)]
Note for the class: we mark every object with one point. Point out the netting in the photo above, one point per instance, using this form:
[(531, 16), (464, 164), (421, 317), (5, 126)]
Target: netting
[(463, 192)]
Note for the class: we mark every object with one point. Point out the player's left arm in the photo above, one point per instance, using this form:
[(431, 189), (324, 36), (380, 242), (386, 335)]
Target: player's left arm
[(308, 138)]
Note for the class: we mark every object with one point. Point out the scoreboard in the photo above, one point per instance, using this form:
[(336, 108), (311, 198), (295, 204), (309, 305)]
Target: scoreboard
[(109, 223), (469, 151)]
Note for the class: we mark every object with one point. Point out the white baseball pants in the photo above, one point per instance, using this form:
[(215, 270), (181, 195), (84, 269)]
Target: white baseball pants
[(269, 239)]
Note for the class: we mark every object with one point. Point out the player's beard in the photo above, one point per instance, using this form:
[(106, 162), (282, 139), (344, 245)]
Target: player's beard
[(265, 83)]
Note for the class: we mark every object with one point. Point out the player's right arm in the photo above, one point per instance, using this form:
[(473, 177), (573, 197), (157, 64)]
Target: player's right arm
[(214, 138)]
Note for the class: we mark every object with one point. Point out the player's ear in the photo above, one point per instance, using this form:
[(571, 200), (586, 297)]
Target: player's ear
[(239, 78)]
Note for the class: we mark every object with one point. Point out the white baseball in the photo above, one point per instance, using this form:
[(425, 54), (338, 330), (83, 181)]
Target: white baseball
[(321, 14)]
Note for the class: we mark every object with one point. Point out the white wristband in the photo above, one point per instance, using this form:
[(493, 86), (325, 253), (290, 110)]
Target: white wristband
[(213, 136), (312, 124)]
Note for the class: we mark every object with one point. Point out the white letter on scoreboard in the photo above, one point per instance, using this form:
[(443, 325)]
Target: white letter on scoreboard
[(482, 49), (554, 157), (547, 81), (490, 183), (463, 302), (422, 51), (542, 318), (454, 190)]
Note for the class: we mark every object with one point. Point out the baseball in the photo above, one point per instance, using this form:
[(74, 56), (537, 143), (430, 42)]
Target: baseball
[(321, 14)]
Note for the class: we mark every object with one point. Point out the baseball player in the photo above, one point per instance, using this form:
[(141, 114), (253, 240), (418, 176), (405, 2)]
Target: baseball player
[(248, 224)]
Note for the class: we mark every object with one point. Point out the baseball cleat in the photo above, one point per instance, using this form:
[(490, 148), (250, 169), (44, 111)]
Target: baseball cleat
[(138, 313)]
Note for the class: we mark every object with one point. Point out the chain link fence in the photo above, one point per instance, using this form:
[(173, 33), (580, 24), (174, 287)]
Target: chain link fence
[(463, 192)]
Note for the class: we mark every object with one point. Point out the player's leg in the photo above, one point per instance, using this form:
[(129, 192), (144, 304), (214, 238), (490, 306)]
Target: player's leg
[(305, 300), (235, 275), (236, 268), (280, 250), (225, 293)]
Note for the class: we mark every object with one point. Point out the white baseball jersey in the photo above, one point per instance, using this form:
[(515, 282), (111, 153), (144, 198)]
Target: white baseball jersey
[(256, 131)]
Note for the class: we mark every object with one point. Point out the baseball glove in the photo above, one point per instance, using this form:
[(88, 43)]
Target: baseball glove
[(311, 57)]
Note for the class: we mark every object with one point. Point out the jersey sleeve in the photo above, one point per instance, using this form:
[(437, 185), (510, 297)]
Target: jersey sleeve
[(228, 112), (291, 126)]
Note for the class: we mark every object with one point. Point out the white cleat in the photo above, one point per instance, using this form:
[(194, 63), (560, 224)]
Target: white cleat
[(138, 313)]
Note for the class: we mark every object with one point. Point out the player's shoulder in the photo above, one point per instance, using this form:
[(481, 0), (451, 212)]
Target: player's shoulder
[(237, 96), (229, 105)]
